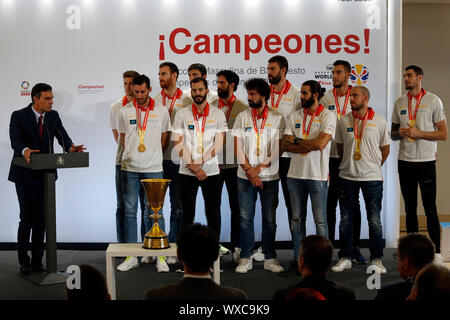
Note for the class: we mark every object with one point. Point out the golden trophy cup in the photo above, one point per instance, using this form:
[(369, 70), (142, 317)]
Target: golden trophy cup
[(155, 191)]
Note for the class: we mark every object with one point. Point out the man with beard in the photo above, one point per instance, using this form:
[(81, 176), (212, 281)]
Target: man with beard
[(362, 139), (418, 121), (285, 98), (174, 100), (258, 131), (144, 128), (198, 70), (198, 132), (227, 83), (337, 101), (308, 137)]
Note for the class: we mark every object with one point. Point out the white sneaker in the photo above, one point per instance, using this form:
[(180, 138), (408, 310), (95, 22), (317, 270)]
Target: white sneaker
[(147, 259), (161, 265), (379, 265), (223, 250), (245, 264), (258, 255), (128, 264), (438, 260), (342, 264), (273, 265), (236, 255), (171, 260)]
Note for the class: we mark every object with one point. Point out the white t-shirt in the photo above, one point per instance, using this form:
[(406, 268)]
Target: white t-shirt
[(430, 112), (329, 103), (158, 122), (313, 165), (374, 136), (184, 125), (226, 156), (289, 102), (181, 102), (211, 97), (273, 132), (113, 114)]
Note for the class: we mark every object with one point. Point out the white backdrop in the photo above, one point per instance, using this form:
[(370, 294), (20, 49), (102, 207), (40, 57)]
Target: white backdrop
[(81, 48)]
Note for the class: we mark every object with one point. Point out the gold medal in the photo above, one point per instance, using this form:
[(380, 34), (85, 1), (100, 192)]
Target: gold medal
[(141, 147), (200, 150), (303, 154), (257, 152), (357, 156)]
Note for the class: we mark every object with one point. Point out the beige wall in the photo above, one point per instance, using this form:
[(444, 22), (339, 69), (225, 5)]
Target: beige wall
[(426, 43)]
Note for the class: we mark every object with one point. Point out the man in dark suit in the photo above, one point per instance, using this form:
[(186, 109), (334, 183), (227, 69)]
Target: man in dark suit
[(197, 249), (314, 262), (414, 252), (32, 130)]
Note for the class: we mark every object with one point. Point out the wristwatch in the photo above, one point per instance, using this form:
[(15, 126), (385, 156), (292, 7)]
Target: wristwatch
[(297, 140)]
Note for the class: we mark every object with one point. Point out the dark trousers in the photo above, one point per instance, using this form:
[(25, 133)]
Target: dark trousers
[(176, 209), (332, 201), (210, 189), (284, 169), (422, 174), (229, 177), (32, 221)]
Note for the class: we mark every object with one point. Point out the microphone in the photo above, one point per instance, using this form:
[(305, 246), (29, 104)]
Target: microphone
[(60, 136)]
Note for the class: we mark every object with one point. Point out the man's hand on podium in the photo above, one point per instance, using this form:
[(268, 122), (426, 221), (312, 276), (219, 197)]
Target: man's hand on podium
[(27, 154), (79, 148)]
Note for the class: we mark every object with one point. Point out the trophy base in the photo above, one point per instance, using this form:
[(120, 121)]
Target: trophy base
[(155, 243)]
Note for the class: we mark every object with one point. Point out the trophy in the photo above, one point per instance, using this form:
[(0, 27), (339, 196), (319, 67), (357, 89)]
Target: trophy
[(155, 191)]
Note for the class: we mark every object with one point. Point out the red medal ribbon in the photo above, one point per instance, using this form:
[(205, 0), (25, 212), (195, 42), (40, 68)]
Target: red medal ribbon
[(336, 101), (284, 90), (305, 115), (418, 98), (196, 116), (147, 110), (229, 104), (124, 101), (176, 96), (369, 115), (264, 118)]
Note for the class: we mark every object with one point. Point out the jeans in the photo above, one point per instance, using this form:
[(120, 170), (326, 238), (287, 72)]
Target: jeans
[(247, 194), (411, 175), (131, 188), (299, 189), (373, 195), (284, 169), (176, 207), (210, 191), (229, 177), (120, 210), (332, 201)]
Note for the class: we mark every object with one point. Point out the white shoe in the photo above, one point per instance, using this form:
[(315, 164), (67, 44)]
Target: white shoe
[(273, 265), (379, 265), (128, 264), (342, 264), (438, 260), (223, 250), (258, 255), (147, 259), (236, 255), (171, 260), (161, 265), (245, 264)]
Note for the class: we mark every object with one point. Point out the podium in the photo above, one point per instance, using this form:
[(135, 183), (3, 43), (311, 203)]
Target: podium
[(47, 163)]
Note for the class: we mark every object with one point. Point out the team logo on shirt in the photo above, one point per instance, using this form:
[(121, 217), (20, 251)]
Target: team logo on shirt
[(359, 75), (248, 129), (133, 121), (403, 112), (191, 127), (350, 129), (297, 125), (331, 107)]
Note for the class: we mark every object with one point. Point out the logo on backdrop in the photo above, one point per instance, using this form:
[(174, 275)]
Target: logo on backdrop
[(359, 75), (25, 85), (325, 76), (90, 89)]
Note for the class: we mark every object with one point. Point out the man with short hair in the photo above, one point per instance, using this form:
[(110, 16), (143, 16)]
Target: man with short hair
[(258, 131), (198, 133), (314, 262), (362, 140), (285, 98), (308, 136), (128, 77), (337, 100), (32, 130), (414, 252), (198, 70), (197, 249), (174, 99), (144, 128), (432, 284), (227, 83), (418, 121)]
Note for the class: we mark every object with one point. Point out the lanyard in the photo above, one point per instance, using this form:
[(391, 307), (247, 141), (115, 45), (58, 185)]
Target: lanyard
[(143, 127), (124, 101), (176, 96), (229, 105), (255, 126), (412, 118), (305, 134), (284, 90), (336, 101)]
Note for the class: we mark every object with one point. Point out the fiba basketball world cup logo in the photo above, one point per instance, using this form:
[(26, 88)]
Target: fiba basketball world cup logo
[(359, 75)]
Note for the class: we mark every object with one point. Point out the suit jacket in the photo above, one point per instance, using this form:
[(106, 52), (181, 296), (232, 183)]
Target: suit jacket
[(329, 289), (395, 292), (195, 289), (24, 132)]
